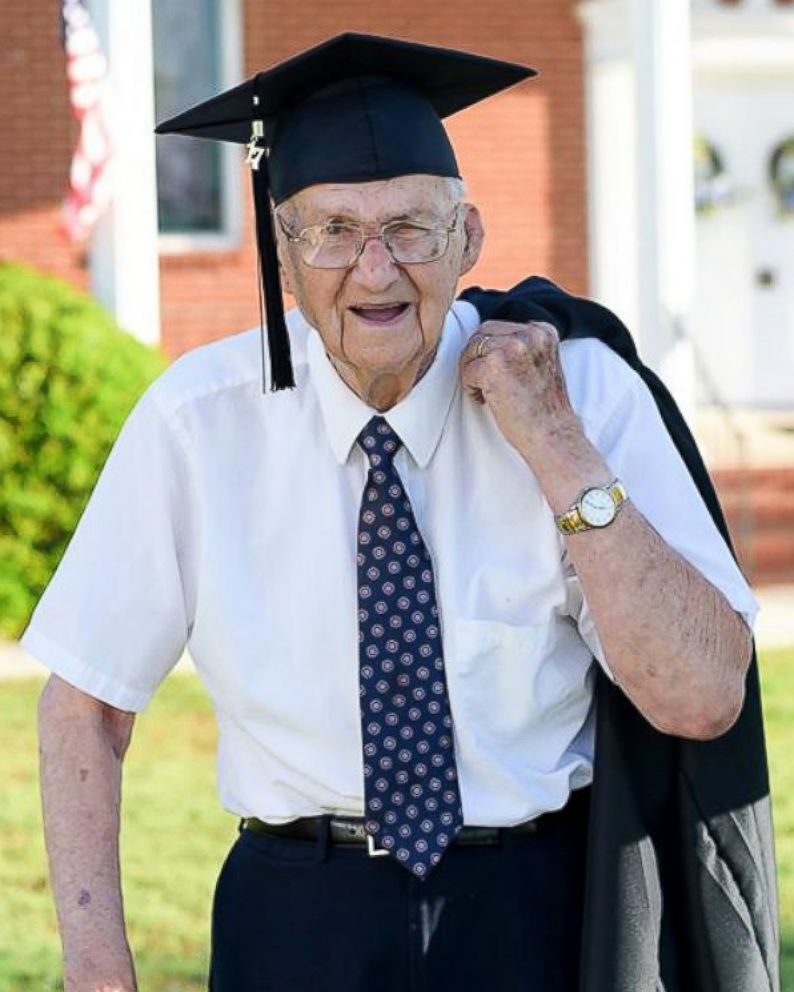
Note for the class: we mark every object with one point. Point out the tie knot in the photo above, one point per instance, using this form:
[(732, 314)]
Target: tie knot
[(380, 443)]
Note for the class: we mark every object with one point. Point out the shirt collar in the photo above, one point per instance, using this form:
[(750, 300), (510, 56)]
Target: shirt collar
[(418, 418)]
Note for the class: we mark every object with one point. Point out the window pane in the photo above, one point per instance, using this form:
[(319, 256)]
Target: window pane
[(187, 71)]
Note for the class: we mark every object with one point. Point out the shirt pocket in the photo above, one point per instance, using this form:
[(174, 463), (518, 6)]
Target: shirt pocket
[(503, 679)]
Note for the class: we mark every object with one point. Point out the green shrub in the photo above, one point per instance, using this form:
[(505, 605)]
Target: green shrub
[(69, 378)]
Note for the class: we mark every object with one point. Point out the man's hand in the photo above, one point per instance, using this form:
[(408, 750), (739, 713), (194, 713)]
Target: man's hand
[(515, 369)]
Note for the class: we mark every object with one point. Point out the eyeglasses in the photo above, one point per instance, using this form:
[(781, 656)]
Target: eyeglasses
[(339, 244)]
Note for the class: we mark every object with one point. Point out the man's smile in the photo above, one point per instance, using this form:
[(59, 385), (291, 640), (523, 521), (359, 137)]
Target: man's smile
[(380, 313)]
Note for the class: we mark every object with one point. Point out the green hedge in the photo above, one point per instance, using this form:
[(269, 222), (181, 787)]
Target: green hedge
[(69, 378)]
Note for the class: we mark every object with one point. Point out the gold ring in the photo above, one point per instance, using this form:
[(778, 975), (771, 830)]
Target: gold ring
[(478, 352)]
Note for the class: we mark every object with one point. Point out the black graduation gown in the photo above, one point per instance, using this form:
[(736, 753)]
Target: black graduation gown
[(681, 887)]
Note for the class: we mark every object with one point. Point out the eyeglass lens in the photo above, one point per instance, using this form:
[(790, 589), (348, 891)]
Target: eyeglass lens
[(340, 246)]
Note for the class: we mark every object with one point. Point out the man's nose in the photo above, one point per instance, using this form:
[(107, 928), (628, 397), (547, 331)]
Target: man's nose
[(375, 269)]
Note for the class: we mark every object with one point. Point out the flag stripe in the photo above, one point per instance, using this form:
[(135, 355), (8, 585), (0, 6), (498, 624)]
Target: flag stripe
[(89, 186)]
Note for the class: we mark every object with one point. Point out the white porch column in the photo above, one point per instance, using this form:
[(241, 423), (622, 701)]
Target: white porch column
[(124, 254), (642, 234), (662, 55), (611, 159)]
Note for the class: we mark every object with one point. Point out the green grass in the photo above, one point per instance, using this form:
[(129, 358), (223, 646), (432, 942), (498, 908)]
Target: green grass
[(777, 678), (174, 838), (175, 835)]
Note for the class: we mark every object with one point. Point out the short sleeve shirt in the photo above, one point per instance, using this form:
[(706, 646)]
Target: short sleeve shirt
[(225, 521)]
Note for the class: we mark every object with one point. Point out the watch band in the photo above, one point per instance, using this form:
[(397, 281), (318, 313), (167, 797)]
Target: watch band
[(572, 521)]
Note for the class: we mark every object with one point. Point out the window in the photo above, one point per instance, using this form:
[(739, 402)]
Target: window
[(196, 54)]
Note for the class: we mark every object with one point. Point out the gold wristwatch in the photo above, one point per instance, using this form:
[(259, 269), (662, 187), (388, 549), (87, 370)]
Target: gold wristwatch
[(596, 507)]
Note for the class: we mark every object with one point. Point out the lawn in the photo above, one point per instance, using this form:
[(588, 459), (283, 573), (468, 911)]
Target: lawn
[(175, 836), (778, 688)]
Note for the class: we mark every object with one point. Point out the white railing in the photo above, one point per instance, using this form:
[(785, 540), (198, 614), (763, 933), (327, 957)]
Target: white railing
[(728, 443), (743, 6)]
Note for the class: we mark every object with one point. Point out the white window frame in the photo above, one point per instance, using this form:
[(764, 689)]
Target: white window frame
[(230, 236)]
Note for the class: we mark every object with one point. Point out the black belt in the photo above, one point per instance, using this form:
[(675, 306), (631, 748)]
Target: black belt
[(349, 830)]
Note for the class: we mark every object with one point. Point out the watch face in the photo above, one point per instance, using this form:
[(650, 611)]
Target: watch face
[(597, 508)]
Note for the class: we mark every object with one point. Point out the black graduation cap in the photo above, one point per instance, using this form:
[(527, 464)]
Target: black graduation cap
[(355, 108)]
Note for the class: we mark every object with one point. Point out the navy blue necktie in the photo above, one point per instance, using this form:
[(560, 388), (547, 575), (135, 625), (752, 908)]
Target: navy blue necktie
[(412, 800)]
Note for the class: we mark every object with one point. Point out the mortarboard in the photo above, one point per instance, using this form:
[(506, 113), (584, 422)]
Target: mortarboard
[(354, 109)]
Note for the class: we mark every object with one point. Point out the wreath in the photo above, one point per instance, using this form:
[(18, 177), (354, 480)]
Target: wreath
[(781, 173), (713, 185)]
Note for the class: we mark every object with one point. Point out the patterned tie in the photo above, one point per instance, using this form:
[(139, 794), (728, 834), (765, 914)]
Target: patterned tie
[(413, 807)]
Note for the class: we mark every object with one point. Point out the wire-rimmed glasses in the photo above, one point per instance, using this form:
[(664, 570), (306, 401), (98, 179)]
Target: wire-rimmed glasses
[(337, 244)]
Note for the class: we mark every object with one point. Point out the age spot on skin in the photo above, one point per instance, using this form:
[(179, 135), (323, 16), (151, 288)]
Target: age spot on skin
[(83, 774), (84, 898)]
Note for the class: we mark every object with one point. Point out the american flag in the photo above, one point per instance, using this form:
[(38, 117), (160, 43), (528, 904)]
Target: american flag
[(89, 176)]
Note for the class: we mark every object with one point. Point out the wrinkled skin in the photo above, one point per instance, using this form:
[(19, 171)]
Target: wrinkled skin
[(519, 375), (515, 369), (380, 363)]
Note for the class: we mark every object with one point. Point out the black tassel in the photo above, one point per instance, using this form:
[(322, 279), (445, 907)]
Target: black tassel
[(281, 373)]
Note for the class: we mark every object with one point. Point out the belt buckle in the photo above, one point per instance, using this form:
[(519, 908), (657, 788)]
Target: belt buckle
[(375, 852)]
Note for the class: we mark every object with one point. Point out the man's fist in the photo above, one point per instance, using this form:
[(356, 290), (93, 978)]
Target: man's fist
[(515, 370)]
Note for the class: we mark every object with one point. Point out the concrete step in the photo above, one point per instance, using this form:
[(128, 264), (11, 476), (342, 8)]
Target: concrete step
[(759, 506), (770, 478), (762, 510)]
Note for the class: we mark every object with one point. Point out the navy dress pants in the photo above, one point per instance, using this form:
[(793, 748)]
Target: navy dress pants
[(295, 915)]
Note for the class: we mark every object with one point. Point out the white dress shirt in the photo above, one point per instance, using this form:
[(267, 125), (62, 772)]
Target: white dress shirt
[(225, 519)]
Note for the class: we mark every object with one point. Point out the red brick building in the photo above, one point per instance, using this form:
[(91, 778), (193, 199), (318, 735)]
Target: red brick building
[(522, 153)]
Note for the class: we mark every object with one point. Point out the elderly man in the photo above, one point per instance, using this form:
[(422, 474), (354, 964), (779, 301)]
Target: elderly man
[(393, 579)]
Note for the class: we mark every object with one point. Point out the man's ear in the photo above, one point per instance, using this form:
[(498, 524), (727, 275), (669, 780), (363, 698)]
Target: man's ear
[(474, 235), (284, 269), (286, 280)]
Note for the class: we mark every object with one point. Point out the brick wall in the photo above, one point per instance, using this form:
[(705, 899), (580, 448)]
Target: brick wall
[(522, 153), (37, 135)]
